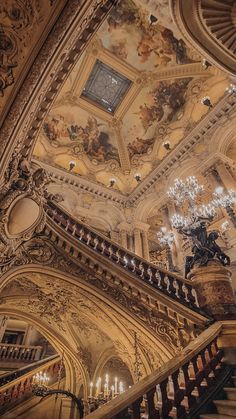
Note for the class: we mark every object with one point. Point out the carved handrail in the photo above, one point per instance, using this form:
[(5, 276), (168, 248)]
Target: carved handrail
[(168, 283), (19, 352), (174, 387), (19, 388)]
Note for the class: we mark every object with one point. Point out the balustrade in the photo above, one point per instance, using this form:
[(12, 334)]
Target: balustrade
[(19, 352), (17, 389), (168, 283), (172, 390)]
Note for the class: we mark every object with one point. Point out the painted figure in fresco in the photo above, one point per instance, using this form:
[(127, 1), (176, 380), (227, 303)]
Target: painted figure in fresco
[(94, 142), (139, 146), (154, 40), (168, 99)]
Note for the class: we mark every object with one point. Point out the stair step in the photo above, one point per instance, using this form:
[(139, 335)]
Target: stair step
[(226, 407), (234, 379), (231, 393), (215, 416)]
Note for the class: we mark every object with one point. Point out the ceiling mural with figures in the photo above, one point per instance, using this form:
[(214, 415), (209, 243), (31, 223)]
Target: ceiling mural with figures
[(159, 105)]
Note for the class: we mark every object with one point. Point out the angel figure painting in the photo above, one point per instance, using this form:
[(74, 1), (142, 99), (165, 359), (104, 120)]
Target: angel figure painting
[(92, 138), (129, 35)]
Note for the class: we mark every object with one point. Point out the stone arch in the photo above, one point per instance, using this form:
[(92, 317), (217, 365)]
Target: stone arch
[(111, 318)]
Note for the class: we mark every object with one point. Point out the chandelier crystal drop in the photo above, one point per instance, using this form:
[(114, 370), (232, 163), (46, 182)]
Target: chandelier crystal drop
[(223, 200), (165, 238), (185, 190)]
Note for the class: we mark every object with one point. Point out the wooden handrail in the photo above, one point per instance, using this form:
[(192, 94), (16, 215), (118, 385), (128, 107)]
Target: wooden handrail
[(202, 357), (169, 283)]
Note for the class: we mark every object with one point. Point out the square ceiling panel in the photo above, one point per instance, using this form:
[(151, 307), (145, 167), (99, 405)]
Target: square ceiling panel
[(106, 87)]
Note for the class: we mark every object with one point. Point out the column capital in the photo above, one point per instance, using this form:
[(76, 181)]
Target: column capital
[(141, 226)]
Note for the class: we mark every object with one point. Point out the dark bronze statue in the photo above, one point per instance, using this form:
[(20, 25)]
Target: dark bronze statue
[(204, 247)]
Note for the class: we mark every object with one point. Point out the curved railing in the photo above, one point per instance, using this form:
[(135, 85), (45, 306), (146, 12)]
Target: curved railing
[(16, 387), (172, 390), (22, 353), (166, 282)]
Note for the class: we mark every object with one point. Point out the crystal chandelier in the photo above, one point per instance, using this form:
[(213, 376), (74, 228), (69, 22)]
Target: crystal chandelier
[(195, 219), (225, 200), (185, 190), (222, 199)]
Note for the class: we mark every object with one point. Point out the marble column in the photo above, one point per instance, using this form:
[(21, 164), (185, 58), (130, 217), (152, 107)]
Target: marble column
[(145, 245), (226, 178), (124, 241), (137, 242), (176, 251), (3, 325)]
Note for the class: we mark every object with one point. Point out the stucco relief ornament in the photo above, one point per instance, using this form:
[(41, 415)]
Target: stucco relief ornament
[(22, 200)]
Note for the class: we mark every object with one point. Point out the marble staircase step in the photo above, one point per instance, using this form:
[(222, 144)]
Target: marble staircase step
[(226, 407), (231, 393)]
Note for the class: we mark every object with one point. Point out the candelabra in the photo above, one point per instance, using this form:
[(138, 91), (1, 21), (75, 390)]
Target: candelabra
[(166, 239), (104, 392), (40, 389), (225, 200)]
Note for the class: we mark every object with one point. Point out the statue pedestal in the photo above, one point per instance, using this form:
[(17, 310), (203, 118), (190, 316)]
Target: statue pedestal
[(214, 290)]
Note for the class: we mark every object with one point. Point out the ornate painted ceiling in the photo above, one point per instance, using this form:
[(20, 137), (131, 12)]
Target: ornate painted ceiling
[(145, 91)]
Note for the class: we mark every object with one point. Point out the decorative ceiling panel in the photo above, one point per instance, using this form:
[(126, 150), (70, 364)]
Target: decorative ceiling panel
[(159, 103)]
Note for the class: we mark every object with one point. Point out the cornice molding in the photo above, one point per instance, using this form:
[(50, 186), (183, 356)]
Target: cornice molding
[(80, 183)]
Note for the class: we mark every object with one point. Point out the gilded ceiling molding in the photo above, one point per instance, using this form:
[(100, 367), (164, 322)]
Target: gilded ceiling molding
[(81, 183), (213, 120), (210, 28), (65, 43)]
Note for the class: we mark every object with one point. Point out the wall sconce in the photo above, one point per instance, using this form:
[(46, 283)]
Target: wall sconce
[(72, 164), (112, 183), (206, 100), (137, 176), (206, 64), (167, 145)]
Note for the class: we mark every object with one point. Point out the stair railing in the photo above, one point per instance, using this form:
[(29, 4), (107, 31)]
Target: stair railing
[(171, 391), (166, 282), (19, 389)]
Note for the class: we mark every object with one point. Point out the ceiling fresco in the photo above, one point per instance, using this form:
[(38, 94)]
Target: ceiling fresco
[(160, 105)]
